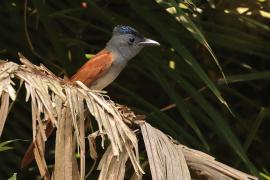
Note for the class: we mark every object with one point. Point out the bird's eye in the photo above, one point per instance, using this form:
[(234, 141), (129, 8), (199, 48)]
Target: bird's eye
[(131, 40)]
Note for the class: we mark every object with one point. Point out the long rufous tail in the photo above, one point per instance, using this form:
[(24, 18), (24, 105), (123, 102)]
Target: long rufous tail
[(29, 154)]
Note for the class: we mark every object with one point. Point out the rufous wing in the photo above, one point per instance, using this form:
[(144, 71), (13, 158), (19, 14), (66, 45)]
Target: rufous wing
[(94, 68)]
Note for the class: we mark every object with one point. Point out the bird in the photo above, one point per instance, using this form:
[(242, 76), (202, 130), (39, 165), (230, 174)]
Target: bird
[(104, 67)]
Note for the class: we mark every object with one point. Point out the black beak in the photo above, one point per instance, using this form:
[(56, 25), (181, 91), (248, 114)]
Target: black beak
[(149, 42)]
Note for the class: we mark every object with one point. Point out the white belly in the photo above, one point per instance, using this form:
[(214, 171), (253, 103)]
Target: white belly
[(108, 77)]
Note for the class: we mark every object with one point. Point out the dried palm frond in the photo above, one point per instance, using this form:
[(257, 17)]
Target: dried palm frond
[(169, 160), (112, 167), (66, 106), (165, 158), (204, 166), (7, 70)]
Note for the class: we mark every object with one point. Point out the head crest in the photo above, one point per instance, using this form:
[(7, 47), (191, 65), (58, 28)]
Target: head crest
[(120, 29)]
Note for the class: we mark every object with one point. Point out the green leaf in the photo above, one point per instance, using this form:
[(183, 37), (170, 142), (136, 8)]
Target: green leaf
[(13, 177), (181, 16), (255, 23), (181, 50), (89, 56), (221, 127), (255, 127), (4, 147), (264, 176), (181, 105), (246, 77)]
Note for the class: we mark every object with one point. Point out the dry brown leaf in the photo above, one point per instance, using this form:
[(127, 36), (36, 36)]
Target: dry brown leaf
[(165, 158), (112, 167), (82, 136), (3, 110), (111, 122), (203, 165), (39, 152), (64, 163), (92, 144), (6, 90)]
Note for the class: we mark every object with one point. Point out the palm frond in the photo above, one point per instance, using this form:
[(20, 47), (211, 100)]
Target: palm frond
[(165, 158), (66, 106), (170, 160)]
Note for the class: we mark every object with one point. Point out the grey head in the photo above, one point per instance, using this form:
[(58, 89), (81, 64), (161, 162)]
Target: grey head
[(127, 42)]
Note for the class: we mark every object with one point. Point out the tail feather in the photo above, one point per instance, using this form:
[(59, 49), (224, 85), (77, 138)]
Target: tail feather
[(29, 154)]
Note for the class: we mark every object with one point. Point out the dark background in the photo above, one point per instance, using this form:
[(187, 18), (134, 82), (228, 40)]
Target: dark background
[(58, 34)]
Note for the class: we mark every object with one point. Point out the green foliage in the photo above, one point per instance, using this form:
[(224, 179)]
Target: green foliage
[(13, 177), (4, 147), (60, 33), (265, 175)]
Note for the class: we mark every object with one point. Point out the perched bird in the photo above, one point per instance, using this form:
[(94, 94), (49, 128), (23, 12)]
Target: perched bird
[(104, 67)]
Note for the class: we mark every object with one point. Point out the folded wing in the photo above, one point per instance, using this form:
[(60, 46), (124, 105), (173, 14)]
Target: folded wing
[(94, 68)]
